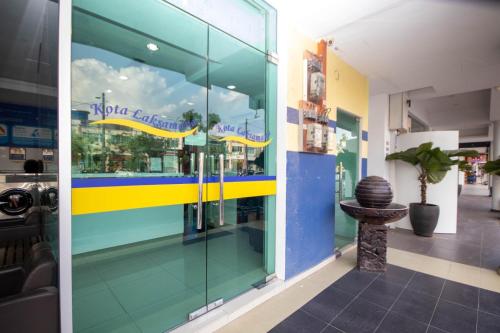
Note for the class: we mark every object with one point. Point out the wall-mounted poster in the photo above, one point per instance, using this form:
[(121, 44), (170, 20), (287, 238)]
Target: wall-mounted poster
[(17, 154)]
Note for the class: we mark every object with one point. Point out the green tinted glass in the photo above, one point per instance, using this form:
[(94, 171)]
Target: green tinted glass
[(347, 174)]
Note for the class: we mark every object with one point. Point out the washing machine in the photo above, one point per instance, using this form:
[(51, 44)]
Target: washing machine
[(27, 204)]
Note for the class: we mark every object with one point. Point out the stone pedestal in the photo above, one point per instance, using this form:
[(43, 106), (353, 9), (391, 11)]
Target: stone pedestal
[(372, 247)]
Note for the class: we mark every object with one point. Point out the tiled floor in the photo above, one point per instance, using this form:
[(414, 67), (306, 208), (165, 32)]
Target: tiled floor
[(400, 300), (476, 243)]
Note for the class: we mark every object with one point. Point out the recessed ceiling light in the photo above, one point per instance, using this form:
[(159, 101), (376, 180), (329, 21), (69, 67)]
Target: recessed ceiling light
[(152, 47), (231, 87), (190, 103), (109, 91), (123, 77)]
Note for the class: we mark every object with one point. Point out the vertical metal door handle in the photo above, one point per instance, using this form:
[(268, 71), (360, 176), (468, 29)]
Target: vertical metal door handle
[(221, 189), (201, 160), (341, 181)]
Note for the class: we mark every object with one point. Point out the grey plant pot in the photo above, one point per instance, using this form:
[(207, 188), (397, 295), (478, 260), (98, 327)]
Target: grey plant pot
[(424, 218)]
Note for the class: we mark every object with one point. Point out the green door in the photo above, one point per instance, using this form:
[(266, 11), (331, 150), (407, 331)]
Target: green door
[(347, 175), (173, 166)]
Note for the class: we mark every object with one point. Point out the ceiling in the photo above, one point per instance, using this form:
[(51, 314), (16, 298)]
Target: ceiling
[(452, 46), (467, 112), (445, 53)]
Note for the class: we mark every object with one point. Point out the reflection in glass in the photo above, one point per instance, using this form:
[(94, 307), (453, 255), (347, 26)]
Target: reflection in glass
[(346, 175), (29, 238), (148, 96)]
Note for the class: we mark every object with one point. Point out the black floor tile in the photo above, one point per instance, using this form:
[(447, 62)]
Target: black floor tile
[(488, 323), (489, 301), (418, 305), (394, 323), (359, 317), (354, 281), (461, 294), (382, 293), (396, 274), (299, 322), (454, 318), (327, 304), (426, 284)]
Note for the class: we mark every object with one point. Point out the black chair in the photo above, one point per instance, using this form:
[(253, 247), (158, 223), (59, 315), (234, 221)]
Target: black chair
[(28, 294)]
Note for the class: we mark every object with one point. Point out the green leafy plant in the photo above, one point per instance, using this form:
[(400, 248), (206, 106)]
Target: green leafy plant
[(492, 167), (432, 164)]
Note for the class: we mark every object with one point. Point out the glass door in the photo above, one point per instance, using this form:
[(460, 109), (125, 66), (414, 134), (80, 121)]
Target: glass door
[(172, 164), (238, 139), (347, 174), (139, 124)]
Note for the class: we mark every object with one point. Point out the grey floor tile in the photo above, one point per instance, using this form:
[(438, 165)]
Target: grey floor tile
[(418, 305), (331, 329), (425, 283), (360, 317), (396, 274), (396, 323), (327, 304), (436, 330), (354, 281), (461, 294), (454, 318), (489, 301), (299, 322), (488, 323), (382, 293)]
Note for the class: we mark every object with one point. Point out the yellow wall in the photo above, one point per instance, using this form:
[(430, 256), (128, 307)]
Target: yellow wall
[(346, 88)]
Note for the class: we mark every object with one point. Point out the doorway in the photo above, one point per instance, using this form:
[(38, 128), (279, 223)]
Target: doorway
[(347, 175), (173, 166)]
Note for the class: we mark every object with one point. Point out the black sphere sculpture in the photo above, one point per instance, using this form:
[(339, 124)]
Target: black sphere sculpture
[(374, 192), (373, 210)]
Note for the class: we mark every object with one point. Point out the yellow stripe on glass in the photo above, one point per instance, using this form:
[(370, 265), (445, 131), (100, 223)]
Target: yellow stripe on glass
[(145, 128), (249, 143), (107, 199)]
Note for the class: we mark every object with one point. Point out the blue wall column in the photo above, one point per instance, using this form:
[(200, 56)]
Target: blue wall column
[(310, 209)]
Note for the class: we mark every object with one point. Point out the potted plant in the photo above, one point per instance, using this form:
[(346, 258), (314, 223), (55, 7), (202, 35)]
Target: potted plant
[(432, 165)]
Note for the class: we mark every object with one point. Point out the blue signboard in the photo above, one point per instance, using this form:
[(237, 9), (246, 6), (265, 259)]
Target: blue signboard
[(26, 126)]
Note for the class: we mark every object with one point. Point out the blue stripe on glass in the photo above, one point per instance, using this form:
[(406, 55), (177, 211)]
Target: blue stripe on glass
[(292, 115), (110, 182), (364, 135), (364, 167), (332, 123)]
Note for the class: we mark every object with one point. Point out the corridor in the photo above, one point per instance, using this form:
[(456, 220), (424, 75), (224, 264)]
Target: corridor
[(446, 283)]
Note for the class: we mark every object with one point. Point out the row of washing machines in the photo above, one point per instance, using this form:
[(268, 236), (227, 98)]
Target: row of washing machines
[(28, 205)]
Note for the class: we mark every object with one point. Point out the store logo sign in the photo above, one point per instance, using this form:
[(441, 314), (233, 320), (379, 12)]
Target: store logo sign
[(151, 124)]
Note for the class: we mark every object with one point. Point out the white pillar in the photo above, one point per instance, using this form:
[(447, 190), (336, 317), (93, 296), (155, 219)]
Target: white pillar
[(495, 150)]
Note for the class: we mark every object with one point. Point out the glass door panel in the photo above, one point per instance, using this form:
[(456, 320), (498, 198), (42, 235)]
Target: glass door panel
[(237, 139), (139, 122), (347, 171)]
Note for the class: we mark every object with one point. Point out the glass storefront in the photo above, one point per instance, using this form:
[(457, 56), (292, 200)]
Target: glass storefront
[(173, 161), (29, 237)]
